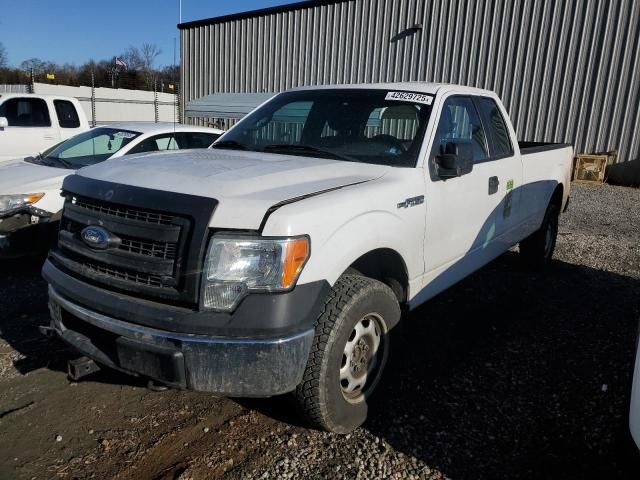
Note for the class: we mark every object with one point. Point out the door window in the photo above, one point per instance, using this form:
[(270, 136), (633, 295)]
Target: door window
[(460, 123), (496, 127), (157, 143), (26, 112), (67, 115), (195, 139)]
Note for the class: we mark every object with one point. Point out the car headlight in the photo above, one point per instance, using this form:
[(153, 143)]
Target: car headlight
[(236, 266), (9, 203)]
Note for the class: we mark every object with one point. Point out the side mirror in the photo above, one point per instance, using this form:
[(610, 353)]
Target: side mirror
[(4, 123), (457, 160)]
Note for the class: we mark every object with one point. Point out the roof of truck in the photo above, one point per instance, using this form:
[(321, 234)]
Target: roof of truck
[(421, 87), (6, 95)]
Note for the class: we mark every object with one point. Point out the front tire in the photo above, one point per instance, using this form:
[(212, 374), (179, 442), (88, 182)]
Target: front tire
[(537, 249), (350, 351)]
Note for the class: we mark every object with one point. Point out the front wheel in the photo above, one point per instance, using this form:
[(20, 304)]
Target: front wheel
[(537, 249), (350, 351)]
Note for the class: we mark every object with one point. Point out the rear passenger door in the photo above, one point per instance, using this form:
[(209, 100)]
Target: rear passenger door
[(508, 170), (68, 118)]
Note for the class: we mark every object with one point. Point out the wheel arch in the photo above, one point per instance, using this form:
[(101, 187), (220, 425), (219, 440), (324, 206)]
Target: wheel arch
[(387, 266)]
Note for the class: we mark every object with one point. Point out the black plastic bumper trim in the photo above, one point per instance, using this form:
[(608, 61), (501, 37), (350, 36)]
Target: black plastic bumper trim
[(231, 366), (258, 315)]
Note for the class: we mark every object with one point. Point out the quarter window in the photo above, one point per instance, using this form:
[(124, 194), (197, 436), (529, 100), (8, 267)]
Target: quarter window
[(496, 127), (26, 112), (67, 115), (460, 123)]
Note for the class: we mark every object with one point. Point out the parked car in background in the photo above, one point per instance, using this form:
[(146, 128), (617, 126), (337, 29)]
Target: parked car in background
[(280, 259), (634, 411), (30, 201), (30, 123)]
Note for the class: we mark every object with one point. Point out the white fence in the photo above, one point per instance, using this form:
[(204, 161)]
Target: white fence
[(109, 105), (13, 89)]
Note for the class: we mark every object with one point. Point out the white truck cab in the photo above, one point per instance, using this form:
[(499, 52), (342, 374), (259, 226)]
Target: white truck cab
[(31, 123), (281, 259)]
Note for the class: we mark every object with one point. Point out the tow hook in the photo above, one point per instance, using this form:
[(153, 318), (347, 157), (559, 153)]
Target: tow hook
[(81, 367), (156, 387), (47, 331)]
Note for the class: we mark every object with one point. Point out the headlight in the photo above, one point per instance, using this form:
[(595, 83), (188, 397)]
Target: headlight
[(14, 202), (236, 266)]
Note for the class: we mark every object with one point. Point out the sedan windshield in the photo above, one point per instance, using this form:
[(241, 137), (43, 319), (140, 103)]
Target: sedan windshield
[(357, 125), (88, 148)]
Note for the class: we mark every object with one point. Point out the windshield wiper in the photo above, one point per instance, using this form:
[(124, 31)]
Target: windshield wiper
[(307, 149), (61, 161), (229, 145)]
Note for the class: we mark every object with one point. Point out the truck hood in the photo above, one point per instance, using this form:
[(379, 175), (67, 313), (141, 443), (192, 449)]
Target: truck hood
[(245, 184), (18, 176)]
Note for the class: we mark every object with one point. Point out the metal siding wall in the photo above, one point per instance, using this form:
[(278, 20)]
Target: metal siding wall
[(567, 70)]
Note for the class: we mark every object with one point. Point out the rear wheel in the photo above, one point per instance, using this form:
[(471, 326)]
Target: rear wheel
[(350, 353), (537, 249)]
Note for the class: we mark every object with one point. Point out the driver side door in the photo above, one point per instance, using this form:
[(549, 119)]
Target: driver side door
[(461, 210)]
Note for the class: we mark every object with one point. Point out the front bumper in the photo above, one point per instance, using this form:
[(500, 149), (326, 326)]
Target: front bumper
[(260, 349), (20, 237), (241, 367)]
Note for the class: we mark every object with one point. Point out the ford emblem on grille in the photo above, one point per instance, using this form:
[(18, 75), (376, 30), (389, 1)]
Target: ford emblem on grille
[(98, 238)]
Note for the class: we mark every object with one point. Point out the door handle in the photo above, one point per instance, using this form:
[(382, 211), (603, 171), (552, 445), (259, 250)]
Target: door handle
[(493, 185)]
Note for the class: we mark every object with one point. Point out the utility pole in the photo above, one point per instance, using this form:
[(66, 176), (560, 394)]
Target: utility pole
[(93, 99)]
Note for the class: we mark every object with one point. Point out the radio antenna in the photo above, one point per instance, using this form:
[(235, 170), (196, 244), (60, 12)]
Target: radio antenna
[(175, 90)]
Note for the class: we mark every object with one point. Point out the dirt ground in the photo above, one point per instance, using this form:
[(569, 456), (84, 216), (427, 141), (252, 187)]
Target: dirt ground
[(509, 374)]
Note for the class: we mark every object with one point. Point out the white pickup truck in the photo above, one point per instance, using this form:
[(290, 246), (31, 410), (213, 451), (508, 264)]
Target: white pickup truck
[(281, 259), (30, 123)]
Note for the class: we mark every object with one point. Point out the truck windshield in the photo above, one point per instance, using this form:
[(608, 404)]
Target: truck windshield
[(88, 148), (360, 125)]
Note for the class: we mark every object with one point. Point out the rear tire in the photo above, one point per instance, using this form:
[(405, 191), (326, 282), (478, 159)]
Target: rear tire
[(537, 249), (350, 351)]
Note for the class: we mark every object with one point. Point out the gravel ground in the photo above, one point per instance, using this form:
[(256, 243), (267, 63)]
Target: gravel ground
[(509, 374)]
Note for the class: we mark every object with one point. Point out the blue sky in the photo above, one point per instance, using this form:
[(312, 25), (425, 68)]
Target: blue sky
[(75, 31)]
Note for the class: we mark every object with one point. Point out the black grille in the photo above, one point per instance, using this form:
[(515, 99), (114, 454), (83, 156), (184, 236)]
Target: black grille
[(122, 274), (157, 239), (150, 248), (123, 212), (146, 258), (166, 250)]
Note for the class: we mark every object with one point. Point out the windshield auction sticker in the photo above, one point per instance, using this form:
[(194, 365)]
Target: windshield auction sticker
[(124, 135), (410, 97)]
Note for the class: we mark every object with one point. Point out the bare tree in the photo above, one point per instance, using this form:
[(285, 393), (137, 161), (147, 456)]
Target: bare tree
[(38, 66), (150, 52), (133, 58), (3, 56)]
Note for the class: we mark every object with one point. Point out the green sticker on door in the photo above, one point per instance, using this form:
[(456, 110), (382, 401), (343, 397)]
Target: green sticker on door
[(507, 199)]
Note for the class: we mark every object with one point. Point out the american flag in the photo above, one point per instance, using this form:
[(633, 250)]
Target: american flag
[(121, 63)]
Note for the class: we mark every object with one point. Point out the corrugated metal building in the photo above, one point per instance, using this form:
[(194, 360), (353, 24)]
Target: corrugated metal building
[(567, 70)]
